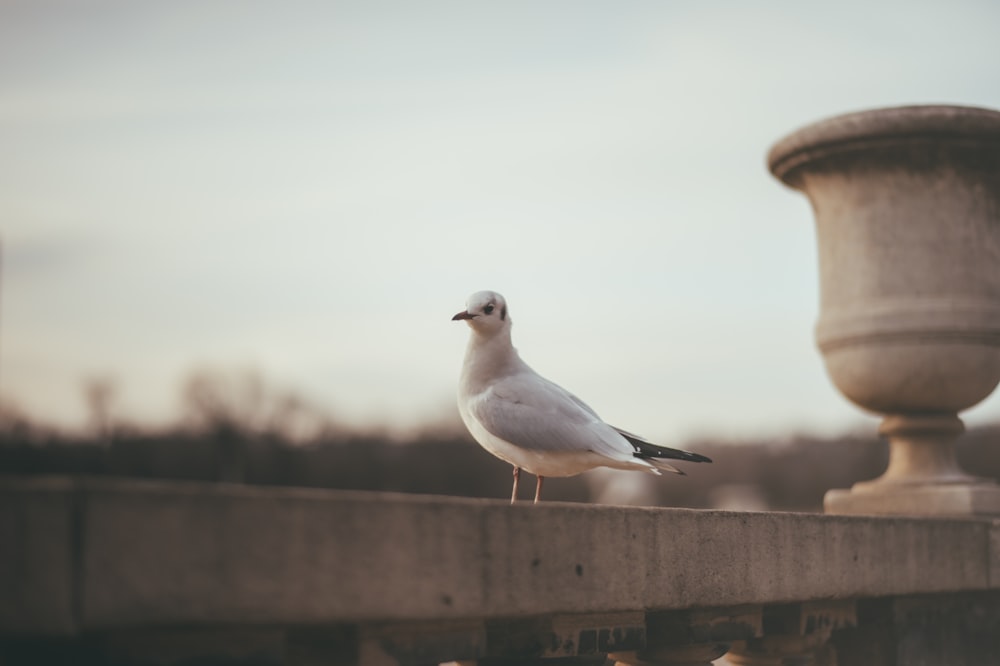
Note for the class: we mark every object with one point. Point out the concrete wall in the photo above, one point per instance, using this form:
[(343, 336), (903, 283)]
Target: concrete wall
[(86, 557)]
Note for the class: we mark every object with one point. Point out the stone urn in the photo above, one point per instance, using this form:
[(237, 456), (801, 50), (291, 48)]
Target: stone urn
[(907, 209)]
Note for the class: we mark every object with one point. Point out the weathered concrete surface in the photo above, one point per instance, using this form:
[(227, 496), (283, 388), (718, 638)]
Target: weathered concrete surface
[(95, 555)]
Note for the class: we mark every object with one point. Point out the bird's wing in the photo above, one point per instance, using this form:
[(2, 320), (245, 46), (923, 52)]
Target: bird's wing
[(533, 413)]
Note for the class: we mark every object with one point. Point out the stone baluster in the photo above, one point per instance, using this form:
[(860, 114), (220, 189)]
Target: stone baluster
[(796, 635), (701, 654), (692, 637)]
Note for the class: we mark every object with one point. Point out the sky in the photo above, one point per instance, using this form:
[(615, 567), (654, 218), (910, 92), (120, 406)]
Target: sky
[(310, 190)]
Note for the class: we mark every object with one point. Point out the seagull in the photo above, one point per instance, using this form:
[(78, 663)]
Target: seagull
[(532, 423)]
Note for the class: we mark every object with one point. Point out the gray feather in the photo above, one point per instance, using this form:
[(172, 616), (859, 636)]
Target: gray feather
[(531, 412)]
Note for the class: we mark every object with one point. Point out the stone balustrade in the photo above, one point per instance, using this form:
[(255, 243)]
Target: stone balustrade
[(121, 571)]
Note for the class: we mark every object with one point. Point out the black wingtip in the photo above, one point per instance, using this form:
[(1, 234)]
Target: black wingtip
[(671, 454), (644, 449)]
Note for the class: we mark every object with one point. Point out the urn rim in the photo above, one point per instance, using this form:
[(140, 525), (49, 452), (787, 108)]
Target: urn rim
[(861, 129)]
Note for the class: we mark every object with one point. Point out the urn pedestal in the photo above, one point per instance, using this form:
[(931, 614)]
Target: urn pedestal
[(907, 209)]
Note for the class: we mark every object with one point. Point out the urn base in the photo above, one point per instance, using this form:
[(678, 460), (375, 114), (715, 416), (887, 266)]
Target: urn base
[(954, 499), (923, 478)]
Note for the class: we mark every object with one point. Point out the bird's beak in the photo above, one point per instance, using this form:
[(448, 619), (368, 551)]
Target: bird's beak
[(464, 314)]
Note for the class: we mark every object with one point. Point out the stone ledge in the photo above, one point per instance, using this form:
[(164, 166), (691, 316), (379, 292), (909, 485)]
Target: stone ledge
[(105, 554)]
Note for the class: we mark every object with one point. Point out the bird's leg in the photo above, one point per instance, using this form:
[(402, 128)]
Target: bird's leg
[(517, 477), (538, 489)]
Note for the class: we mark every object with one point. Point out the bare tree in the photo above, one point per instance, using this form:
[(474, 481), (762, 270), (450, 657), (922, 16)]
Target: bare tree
[(100, 394)]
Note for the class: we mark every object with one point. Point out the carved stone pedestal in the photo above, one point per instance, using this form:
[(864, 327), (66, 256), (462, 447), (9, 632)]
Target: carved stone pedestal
[(923, 477)]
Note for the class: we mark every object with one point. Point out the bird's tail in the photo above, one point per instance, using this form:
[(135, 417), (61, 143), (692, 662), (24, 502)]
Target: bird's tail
[(656, 454)]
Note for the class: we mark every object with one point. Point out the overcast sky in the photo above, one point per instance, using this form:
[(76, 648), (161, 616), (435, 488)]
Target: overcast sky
[(313, 189)]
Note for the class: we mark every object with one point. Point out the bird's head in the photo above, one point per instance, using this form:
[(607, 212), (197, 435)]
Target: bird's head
[(485, 312)]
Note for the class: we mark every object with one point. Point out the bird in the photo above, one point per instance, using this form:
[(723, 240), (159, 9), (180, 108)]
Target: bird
[(532, 423)]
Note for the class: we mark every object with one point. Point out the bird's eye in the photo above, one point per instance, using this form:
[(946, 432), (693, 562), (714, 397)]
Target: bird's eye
[(488, 309)]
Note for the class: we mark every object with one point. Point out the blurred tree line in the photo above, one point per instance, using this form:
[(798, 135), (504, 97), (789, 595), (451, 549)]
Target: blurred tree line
[(235, 429)]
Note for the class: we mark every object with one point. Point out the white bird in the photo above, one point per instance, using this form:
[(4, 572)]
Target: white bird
[(532, 423)]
